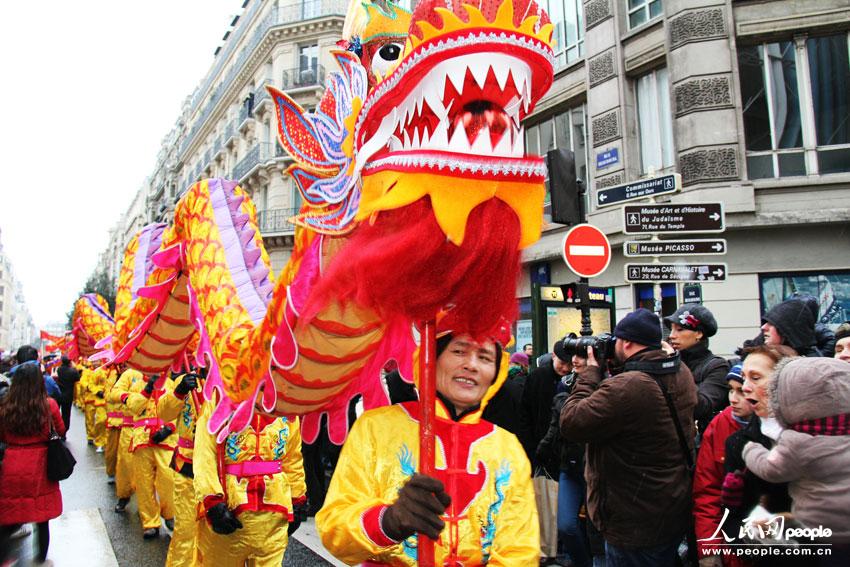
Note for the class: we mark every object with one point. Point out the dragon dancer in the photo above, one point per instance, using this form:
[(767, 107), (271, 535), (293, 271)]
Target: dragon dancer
[(479, 507), (181, 403), (251, 490), (152, 446), (124, 484)]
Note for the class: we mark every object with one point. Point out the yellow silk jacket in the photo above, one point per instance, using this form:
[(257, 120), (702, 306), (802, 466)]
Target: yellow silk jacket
[(95, 384), (87, 377), (183, 410), (273, 444), (129, 390), (492, 519), (114, 409)]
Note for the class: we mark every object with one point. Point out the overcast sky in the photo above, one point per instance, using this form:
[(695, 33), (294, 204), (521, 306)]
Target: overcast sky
[(89, 90)]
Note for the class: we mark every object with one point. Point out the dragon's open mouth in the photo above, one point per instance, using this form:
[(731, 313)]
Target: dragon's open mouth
[(472, 104), (461, 104)]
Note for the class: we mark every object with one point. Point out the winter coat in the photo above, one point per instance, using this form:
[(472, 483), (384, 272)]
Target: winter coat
[(709, 373), (796, 323), (638, 483), (709, 474), (773, 496), (537, 395), (570, 455), (807, 396), (66, 377), (26, 495)]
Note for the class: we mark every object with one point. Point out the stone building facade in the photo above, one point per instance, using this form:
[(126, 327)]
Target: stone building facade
[(748, 101), (16, 324)]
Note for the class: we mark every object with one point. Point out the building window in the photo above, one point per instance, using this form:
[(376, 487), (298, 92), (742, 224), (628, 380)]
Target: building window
[(645, 297), (308, 62), (641, 11), (795, 106), (564, 130), (655, 124), (568, 36), (311, 9), (831, 289)]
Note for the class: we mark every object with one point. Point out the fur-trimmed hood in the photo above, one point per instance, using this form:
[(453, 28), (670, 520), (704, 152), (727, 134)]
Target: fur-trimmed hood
[(809, 388)]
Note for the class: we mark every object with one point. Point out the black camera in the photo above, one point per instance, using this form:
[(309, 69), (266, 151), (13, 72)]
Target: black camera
[(602, 345)]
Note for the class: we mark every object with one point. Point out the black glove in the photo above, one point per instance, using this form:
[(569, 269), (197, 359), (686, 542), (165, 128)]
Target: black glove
[(421, 502), (149, 387), (100, 394), (299, 511), (187, 384), (222, 520), (161, 435)]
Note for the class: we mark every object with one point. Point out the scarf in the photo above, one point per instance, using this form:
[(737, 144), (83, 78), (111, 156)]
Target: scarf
[(832, 425)]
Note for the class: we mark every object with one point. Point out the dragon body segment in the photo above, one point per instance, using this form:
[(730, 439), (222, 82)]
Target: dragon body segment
[(417, 200)]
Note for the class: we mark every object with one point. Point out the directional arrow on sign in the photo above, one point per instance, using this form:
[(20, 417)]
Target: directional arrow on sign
[(673, 217), (639, 189), (690, 247), (706, 273)]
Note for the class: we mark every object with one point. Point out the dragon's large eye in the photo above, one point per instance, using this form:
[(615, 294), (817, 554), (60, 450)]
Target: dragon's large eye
[(386, 58)]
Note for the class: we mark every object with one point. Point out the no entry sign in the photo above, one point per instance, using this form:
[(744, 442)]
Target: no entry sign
[(586, 250)]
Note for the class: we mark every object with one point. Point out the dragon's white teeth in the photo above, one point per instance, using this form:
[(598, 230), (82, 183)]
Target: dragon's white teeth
[(435, 102), (479, 73), (419, 100), (440, 137), (504, 147), (519, 143), (415, 141), (457, 74), (482, 144), (459, 142), (394, 144), (501, 72), (406, 140), (425, 140)]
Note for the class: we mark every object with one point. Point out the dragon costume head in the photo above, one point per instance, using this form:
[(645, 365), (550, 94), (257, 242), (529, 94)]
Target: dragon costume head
[(429, 164)]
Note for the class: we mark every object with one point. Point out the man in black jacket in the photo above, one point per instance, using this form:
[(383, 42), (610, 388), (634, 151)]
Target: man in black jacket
[(66, 377), (537, 395), (690, 327)]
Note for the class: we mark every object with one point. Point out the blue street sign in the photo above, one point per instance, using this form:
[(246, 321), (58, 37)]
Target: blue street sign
[(607, 158)]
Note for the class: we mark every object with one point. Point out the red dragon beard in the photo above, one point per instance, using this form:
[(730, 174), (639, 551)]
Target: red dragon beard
[(403, 265)]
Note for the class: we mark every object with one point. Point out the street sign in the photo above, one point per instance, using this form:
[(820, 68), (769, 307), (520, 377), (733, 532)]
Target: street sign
[(704, 273), (670, 217), (692, 293), (638, 190), (551, 293), (699, 247), (607, 158), (586, 250)]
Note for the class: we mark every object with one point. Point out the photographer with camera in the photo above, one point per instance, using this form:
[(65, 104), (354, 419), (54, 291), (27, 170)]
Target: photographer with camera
[(639, 427)]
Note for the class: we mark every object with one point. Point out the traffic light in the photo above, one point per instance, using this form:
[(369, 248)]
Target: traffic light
[(565, 190)]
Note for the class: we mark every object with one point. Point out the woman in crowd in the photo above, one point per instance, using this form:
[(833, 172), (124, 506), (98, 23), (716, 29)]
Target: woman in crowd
[(27, 415), (810, 400), (708, 478), (742, 490)]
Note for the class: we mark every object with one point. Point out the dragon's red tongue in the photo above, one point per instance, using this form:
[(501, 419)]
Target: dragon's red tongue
[(479, 114)]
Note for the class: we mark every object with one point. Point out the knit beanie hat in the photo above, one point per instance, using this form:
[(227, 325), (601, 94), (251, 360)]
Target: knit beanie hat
[(640, 326), (519, 358), (736, 374), (693, 317)]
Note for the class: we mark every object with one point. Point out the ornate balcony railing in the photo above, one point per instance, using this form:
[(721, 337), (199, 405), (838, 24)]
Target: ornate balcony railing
[(260, 93), (307, 77), (275, 221)]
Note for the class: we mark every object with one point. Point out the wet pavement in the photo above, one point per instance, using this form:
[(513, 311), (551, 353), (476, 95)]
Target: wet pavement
[(91, 534)]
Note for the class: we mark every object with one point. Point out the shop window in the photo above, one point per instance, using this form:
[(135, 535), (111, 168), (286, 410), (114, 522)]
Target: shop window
[(831, 289), (645, 297), (641, 11), (567, 17), (795, 106), (655, 124)]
